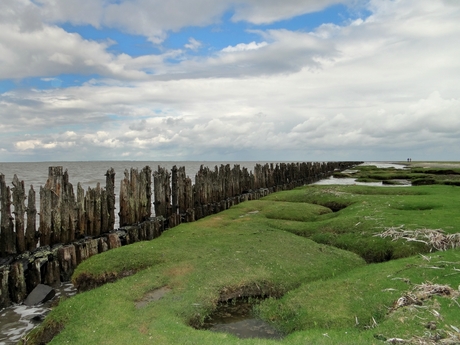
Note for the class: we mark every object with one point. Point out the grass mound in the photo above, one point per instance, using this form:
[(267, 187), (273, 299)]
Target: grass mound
[(370, 210), (396, 299)]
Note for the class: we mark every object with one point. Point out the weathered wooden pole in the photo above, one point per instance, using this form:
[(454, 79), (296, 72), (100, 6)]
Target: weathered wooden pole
[(55, 185), (144, 195), (68, 211), (162, 192), (182, 192), (80, 212), (7, 236), (31, 231), (4, 287), (135, 196), (175, 190), (19, 212), (17, 283), (124, 200), (110, 191)]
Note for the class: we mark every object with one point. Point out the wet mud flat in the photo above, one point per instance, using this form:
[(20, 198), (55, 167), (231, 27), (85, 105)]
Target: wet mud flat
[(236, 317), (17, 320)]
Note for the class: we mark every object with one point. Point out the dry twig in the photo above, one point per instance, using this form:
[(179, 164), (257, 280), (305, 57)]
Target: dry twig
[(434, 238)]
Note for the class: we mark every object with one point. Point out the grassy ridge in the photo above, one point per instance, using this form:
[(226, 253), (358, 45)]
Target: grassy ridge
[(370, 210), (289, 244)]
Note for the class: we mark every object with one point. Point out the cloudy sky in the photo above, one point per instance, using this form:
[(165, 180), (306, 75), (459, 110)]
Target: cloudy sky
[(227, 80)]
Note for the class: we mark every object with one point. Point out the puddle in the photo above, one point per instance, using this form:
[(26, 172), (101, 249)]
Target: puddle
[(17, 320), (235, 317), (152, 296), (351, 181)]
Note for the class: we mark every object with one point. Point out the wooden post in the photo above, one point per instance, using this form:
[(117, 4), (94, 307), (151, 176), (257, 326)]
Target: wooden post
[(97, 195), (89, 208), (31, 231), (67, 261), (17, 283), (4, 290), (124, 199), (44, 227), (55, 185), (80, 212), (19, 211), (162, 192), (110, 191), (135, 196), (7, 236), (68, 211), (144, 195)]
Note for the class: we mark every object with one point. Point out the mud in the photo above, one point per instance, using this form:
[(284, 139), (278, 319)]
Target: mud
[(152, 296)]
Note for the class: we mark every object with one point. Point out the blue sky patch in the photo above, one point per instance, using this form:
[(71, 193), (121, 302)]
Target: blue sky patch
[(133, 45)]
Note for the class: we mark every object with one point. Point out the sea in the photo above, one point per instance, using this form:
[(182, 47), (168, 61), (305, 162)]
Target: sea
[(17, 320)]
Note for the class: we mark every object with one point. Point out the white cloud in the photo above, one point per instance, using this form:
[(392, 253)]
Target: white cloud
[(193, 44), (270, 11), (244, 47)]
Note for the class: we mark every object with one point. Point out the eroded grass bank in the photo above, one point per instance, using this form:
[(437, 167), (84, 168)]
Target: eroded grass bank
[(306, 249)]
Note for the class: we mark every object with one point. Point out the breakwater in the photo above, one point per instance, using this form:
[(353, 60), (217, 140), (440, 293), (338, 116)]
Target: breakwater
[(76, 224)]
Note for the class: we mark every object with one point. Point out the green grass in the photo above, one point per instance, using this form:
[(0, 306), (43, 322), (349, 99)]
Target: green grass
[(370, 211), (290, 246)]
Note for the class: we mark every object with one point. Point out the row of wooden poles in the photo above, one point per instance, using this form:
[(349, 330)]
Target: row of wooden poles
[(65, 216), (73, 227)]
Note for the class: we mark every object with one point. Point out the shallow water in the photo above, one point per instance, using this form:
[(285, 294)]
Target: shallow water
[(236, 318), (352, 181), (16, 321)]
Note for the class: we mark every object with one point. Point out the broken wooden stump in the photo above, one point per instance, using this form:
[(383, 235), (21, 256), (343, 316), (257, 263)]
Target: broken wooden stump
[(67, 261), (17, 283)]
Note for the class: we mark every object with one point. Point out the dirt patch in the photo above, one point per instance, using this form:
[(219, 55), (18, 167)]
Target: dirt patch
[(178, 271), (85, 282), (334, 205), (265, 289), (152, 296), (43, 335)]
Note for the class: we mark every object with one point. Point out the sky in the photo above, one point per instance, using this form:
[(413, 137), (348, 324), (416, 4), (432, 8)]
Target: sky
[(229, 80)]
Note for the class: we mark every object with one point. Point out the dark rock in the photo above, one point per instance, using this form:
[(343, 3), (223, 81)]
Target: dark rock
[(40, 294)]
